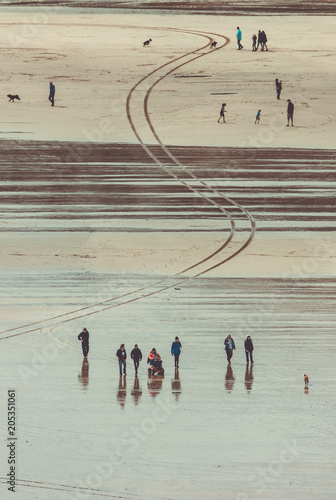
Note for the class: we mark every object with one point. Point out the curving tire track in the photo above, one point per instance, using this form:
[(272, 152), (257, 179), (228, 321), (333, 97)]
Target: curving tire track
[(141, 292)]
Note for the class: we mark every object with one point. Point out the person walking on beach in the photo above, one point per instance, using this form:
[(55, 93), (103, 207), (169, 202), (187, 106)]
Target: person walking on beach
[(229, 347), (254, 43), (239, 38), (52, 93), (278, 86), (176, 350), (222, 113), (136, 355), (263, 41), (121, 355), (248, 344), (290, 112), (84, 338), (257, 120), (259, 39)]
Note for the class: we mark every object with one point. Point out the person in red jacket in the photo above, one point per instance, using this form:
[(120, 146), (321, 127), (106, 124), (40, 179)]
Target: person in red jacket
[(121, 355), (153, 356)]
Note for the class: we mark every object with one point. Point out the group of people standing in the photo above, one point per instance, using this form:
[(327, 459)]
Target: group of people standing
[(136, 353), (261, 39), (230, 347)]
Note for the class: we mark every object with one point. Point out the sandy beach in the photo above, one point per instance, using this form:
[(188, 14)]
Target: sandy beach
[(127, 209)]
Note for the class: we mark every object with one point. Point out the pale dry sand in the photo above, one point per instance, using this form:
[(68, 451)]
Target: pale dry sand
[(94, 60)]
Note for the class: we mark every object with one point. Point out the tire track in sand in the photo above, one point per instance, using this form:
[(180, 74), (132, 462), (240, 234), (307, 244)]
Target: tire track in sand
[(143, 291)]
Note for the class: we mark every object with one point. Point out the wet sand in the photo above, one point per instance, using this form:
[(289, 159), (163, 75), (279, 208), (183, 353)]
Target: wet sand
[(227, 7)]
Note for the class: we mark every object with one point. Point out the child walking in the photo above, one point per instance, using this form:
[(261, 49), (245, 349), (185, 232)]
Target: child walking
[(254, 43), (222, 113), (257, 120)]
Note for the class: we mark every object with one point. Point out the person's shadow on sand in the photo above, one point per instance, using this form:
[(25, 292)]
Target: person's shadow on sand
[(229, 378), (83, 377)]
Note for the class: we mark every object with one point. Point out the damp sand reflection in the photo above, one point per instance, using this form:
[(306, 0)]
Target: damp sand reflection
[(249, 378), (176, 385), (121, 393), (154, 385), (83, 377), (229, 379), (136, 391)]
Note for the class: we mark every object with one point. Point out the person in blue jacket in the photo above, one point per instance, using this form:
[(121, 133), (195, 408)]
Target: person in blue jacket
[(176, 350), (229, 347), (121, 355), (239, 37)]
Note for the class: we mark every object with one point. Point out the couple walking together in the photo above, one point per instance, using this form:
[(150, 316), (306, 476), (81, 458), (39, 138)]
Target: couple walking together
[(230, 346)]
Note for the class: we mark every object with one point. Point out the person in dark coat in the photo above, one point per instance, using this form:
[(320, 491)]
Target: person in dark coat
[(52, 93), (278, 86), (229, 347), (263, 41), (136, 355), (290, 112), (176, 350), (121, 355), (254, 43), (259, 39), (248, 344), (84, 338)]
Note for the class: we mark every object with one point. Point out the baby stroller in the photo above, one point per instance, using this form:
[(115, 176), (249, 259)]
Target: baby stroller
[(155, 364)]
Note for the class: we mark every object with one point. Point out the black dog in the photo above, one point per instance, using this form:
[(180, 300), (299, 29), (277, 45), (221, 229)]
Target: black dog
[(213, 45), (12, 97), (147, 42)]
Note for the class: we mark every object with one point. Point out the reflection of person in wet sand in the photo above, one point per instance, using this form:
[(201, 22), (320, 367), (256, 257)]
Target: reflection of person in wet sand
[(176, 384), (136, 391), (154, 385), (121, 394), (229, 378), (249, 377), (83, 377)]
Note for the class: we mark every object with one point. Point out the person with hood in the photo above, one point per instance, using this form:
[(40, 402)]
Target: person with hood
[(248, 344), (84, 338), (136, 355), (153, 356), (176, 351), (229, 347), (121, 355)]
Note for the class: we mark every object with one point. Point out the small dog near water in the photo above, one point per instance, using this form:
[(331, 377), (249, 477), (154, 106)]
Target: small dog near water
[(12, 97), (147, 42), (213, 45)]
